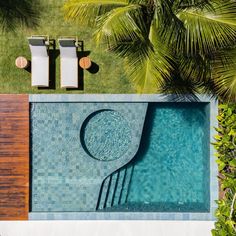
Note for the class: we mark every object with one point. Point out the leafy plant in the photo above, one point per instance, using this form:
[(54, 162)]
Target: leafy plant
[(226, 159), (169, 46)]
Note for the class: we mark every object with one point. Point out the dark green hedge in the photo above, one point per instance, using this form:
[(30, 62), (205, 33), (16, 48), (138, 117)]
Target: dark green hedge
[(226, 159)]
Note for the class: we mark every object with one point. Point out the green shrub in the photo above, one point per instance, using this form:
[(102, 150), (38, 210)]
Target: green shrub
[(226, 159)]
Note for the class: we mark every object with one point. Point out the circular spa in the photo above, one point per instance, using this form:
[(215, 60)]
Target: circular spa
[(111, 139)]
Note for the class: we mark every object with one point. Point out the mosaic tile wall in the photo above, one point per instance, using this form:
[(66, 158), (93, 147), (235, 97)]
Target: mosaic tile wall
[(64, 176)]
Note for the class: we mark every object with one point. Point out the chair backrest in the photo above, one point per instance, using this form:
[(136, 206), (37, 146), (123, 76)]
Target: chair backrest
[(38, 46), (68, 48)]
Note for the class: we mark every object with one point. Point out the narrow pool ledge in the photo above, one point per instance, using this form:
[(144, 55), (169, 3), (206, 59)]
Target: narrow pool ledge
[(133, 98), (112, 98)]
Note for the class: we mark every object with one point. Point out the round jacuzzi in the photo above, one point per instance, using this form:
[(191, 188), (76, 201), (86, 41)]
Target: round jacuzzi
[(106, 135)]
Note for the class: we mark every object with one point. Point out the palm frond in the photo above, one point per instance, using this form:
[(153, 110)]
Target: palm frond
[(181, 89), (169, 26), (145, 71), (86, 11), (209, 29), (187, 80), (120, 23), (193, 68), (18, 12), (224, 75), (182, 4), (147, 63)]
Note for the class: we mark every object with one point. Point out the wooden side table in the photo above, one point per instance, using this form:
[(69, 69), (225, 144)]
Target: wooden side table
[(85, 62), (21, 62)]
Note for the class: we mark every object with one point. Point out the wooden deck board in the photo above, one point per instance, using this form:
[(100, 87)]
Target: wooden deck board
[(14, 157)]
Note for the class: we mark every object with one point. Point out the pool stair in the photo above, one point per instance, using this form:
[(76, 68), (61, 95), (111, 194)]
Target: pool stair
[(115, 188), (112, 190), (103, 194), (126, 185), (118, 191)]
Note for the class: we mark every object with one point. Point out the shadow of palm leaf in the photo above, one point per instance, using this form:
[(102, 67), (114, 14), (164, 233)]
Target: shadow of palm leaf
[(14, 13)]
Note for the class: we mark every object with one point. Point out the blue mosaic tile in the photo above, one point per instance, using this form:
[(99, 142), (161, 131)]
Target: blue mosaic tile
[(64, 176)]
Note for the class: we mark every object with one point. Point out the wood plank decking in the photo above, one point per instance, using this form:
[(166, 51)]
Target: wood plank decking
[(14, 157)]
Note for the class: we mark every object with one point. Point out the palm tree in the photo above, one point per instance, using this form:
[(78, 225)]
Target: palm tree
[(14, 13), (170, 46)]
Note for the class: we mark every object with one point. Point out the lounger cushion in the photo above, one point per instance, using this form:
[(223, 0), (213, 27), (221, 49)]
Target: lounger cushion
[(40, 62), (69, 72), (69, 63), (39, 51), (40, 71)]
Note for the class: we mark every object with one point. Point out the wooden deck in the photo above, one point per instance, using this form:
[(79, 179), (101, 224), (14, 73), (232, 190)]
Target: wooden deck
[(14, 157)]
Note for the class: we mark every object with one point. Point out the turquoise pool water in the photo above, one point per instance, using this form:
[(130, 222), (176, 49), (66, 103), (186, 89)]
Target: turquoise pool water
[(170, 172)]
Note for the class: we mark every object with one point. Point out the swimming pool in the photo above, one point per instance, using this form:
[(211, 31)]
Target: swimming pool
[(113, 157)]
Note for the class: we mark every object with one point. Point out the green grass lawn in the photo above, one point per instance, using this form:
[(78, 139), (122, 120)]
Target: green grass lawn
[(109, 79)]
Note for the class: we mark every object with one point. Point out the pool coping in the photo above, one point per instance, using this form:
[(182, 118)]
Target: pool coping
[(145, 98), (111, 98)]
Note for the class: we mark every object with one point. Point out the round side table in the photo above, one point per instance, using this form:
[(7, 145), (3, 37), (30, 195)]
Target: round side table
[(85, 62), (21, 62)]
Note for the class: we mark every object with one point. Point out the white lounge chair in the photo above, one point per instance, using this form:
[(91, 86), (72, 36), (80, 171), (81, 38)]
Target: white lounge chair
[(69, 63), (39, 61)]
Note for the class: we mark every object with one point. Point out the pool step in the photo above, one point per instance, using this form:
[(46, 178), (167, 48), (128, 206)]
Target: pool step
[(115, 188), (126, 185), (112, 190), (103, 193), (120, 183)]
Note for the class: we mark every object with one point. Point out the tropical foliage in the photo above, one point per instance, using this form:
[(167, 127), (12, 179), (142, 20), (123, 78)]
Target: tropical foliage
[(226, 159), (14, 13), (170, 46)]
